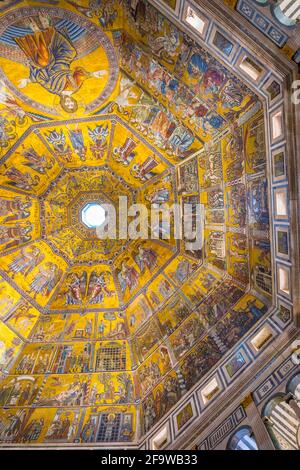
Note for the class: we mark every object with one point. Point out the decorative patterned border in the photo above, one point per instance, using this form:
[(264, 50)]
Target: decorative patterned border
[(270, 384), (262, 22), (223, 430)]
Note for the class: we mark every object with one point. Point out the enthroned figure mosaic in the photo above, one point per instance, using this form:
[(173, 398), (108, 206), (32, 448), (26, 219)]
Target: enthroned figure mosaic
[(98, 102)]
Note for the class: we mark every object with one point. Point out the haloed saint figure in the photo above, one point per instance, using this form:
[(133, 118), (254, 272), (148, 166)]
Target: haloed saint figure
[(59, 52)]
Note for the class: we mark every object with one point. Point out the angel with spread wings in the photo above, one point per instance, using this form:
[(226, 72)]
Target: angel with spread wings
[(15, 209), (46, 279), (11, 236), (145, 258), (22, 315), (20, 179), (11, 107), (26, 261), (128, 277), (38, 162), (99, 137), (98, 288), (90, 10), (76, 288)]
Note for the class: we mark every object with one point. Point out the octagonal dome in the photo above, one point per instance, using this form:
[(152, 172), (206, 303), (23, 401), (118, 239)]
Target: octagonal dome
[(118, 332)]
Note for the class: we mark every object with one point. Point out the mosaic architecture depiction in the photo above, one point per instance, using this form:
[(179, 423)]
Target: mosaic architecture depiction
[(148, 343)]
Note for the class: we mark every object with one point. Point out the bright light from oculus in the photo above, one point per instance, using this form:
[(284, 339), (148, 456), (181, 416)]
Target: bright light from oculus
[(93, 215)]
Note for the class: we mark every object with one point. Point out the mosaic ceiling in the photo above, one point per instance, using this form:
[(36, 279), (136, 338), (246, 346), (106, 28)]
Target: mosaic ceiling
[(99, 339)]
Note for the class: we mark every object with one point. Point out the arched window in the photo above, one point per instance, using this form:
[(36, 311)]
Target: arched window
[(242, 439), (287, 12), (282, 422)]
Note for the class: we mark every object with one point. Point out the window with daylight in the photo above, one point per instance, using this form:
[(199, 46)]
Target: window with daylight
[(93, 215), (160, 440), (210, 390), (288, 12), (193, 19), (282, 422), (261, 338), (243, 439), (281, 203), (277, 125), (284, 280)]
